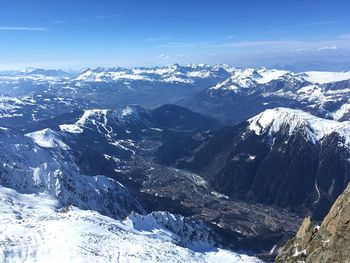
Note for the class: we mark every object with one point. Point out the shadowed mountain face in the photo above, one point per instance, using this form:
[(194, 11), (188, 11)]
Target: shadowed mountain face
[(281, 157), (179, 118), (103, 140)]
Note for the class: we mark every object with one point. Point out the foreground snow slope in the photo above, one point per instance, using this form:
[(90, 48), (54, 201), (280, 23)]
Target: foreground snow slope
[(34, 229)]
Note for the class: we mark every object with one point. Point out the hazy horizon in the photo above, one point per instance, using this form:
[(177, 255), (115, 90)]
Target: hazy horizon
[(294, 67)]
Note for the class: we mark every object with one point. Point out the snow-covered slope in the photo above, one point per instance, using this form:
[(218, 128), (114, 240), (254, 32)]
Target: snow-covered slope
[(48, 138), (30, 168), (171, 74), (325, 94), (37, 75), (106, 87), (34, 228), (273, 121), (251, 78), (26, 112), (104, 120), (323, 77), (115, 130), (248, 78)]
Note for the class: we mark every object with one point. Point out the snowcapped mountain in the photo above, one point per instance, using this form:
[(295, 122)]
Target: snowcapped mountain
[(45, 165), (121, 135), (251, 78), (171, 74), (250, 91), (281, 156), (29, 113), (36, 74), (136, 118), (131, 115), (315, 129), (48, 138), (323, 77), (222, 89), (116, 87)]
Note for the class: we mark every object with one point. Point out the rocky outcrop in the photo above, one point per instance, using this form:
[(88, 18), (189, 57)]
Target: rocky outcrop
[(328, 243)]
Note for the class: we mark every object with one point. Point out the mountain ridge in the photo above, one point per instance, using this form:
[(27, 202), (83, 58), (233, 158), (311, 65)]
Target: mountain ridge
[(250, 160)]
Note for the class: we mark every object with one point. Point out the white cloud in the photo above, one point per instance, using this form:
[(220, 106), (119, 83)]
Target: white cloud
[(156, 39), (231, 37), (277, 45), (319, 23), (59, 22), (108, 16), (163, 56), (21, 28), (328, 48)]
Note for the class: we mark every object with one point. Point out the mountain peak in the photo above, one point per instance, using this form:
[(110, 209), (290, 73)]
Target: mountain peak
[(250, 77), (48, 138), (272, 121)]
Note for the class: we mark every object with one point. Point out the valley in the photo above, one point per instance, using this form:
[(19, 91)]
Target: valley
[(261, 150)]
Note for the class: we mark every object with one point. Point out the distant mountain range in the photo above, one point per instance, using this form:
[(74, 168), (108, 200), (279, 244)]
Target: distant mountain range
[(198, 156), (250, 91)]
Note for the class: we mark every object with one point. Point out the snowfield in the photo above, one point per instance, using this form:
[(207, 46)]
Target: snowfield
[(35, 229), (250, 77), (323, 77), (274, 120)]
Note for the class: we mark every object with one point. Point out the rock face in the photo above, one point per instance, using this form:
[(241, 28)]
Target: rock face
[(328, 243)]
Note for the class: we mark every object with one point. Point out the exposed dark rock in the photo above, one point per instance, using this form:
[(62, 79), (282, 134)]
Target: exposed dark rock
[(328, 243)]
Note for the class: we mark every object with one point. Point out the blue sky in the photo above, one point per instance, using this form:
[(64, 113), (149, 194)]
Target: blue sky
[(75, 34)]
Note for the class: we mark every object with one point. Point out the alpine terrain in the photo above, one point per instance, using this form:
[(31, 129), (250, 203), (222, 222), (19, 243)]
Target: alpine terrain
[(196, 163)]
